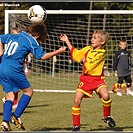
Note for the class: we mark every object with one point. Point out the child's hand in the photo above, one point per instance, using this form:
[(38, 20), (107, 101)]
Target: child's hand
[(62, 49), (63, 37)]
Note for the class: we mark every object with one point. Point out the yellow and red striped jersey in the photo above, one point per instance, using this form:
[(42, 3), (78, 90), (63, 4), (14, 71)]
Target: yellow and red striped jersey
[(94, 59)]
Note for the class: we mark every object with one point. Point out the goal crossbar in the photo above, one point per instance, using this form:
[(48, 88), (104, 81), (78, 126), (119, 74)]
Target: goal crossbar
[(7, 12)]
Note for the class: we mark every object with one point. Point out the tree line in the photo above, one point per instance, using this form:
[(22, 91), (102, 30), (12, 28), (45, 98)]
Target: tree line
[(64, 6)]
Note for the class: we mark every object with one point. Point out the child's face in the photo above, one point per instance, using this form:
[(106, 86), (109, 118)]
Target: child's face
[(123, 45), (96, 41)]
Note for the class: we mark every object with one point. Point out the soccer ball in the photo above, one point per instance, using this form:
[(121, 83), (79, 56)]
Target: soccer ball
[(37, 14)]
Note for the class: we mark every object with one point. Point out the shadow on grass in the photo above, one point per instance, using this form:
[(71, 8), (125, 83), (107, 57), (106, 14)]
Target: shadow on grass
[(33, 106), (100, 129), (1, 114), (112, 129), (56, 129)]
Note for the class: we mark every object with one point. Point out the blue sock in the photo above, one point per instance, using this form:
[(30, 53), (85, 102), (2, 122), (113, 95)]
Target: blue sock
[(7, 110), (22, 104)]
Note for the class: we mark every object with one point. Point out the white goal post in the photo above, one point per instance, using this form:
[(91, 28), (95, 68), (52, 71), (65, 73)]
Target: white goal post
[(63, 74), (7, 12)]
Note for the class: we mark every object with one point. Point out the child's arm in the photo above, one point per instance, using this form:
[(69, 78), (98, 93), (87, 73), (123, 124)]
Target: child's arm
[(63, 37), (51, 54)]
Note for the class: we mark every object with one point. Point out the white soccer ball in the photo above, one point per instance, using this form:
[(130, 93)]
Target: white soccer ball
[(37, 13)]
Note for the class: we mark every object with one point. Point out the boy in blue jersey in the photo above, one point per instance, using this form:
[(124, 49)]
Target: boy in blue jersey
[(14, 30), (12, 75)]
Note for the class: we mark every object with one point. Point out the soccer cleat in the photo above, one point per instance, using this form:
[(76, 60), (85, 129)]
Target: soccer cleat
[(109, 120), (129, 92), (5, 126), (17, 122), (76, 128), (119, 93)]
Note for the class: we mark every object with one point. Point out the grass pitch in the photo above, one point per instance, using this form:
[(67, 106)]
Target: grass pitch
[(52, 112)]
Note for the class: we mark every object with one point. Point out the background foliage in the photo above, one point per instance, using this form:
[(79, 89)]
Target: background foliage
[(66, 6)]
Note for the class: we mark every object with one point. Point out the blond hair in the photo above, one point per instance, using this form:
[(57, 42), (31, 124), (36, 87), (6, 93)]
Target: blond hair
[(103, 35)]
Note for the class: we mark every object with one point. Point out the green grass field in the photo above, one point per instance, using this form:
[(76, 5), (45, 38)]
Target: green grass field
[(52, 112)]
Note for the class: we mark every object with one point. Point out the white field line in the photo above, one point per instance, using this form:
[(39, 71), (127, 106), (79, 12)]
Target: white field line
[(36, 90), (62, 91)]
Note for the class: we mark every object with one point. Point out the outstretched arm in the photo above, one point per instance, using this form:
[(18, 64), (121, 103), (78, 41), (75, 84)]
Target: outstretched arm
[(63, 37), (51, 54)]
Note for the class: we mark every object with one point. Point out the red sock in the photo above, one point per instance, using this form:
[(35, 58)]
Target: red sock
[(76, 116), (106, 111), (15, 98), (106, 108)]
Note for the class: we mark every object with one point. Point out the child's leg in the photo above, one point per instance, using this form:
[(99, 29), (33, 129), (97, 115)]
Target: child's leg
[(7, 110), (120, 82), (129, 85), (106, 107), (76, 116), (106, 101), (22, 104), (7, 107), (24, 101), (15, 98), (76, 109)]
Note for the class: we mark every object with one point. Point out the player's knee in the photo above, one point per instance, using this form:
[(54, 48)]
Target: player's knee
[(29, 91), (106, 102), (77, 101), (105, 96)]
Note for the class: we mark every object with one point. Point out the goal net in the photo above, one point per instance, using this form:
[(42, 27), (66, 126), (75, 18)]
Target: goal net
[(59, 73)]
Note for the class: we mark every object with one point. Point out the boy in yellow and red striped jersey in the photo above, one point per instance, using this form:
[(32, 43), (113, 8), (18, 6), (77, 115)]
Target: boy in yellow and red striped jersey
[(92, 78)]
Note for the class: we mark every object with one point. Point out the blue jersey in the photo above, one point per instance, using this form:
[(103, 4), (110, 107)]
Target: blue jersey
[(19, 46), (12, 76)]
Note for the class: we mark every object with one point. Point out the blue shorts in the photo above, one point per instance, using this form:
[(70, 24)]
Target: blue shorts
[(12, 77)]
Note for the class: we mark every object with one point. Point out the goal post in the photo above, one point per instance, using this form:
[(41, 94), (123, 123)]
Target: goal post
[(7, 12), (63, 74)]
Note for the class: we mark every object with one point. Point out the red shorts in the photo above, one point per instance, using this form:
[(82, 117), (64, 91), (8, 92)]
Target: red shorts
[(88, 84)]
